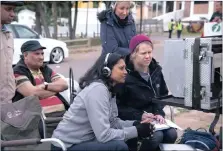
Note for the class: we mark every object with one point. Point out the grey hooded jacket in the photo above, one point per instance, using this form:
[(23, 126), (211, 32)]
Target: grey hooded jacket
[(114, 37), (93, 116)]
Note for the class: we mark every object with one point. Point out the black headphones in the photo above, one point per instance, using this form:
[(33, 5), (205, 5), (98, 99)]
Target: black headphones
[(106, 71)]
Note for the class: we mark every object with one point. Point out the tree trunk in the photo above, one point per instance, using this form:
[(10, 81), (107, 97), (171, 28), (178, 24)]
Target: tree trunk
[(75, 20), (54, 12), (38, 27), (43, 20), (86, 28), (97, 20), (140, 30), (69, 19)]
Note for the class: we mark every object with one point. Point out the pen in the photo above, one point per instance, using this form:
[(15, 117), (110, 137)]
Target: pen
[(145, 112)]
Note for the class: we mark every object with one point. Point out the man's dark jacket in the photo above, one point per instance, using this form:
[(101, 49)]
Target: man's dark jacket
[(22, 69), (114, 36), (135, 95), (216, 14)]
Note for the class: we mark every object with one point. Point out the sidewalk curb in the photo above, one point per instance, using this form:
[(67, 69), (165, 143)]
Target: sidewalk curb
[(96, 48), (83, 50)]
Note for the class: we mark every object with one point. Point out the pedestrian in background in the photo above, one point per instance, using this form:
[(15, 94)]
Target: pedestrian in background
[(170, 27), (217, 15), (179, 28)]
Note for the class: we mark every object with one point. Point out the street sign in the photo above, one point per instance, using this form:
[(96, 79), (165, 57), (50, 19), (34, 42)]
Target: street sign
[(212, 29)]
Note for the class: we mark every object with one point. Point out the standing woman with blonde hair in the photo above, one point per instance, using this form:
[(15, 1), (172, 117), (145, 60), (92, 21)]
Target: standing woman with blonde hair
[(117, 28)]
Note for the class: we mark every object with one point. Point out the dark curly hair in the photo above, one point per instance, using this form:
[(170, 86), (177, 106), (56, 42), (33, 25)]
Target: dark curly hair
[(95, 72)]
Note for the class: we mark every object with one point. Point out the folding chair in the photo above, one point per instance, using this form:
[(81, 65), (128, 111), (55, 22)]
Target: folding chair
[(19, 125), (69, 95)]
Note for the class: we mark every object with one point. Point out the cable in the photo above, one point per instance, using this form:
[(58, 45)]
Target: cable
[(219, 74)]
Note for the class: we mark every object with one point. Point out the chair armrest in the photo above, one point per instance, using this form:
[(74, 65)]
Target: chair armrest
[(21, 142), (32, 141)]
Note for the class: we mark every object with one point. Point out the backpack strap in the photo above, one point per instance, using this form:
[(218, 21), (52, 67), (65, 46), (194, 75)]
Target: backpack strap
[(196, 141)]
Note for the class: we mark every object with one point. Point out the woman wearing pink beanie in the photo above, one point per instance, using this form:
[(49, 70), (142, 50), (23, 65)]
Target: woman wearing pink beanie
[(144, 82)]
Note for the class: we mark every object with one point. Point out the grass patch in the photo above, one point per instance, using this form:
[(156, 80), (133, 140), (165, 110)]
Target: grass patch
[(76, 42), (95, 41)]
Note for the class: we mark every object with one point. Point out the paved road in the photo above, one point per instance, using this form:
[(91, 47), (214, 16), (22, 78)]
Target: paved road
[(78, 62)]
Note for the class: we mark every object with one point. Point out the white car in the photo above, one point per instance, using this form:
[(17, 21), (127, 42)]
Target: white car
[(55, 51)]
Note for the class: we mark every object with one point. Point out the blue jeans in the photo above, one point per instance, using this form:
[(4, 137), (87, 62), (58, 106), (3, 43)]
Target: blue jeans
[(114, 145), (167, 136)]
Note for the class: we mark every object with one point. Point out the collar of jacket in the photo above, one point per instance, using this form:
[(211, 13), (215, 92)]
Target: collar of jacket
[(21, 67), (22, 64), (5, 29), (154, 68), (110, 18)]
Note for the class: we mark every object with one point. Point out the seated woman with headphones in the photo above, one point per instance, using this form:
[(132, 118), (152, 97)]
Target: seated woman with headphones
[(91, 123)]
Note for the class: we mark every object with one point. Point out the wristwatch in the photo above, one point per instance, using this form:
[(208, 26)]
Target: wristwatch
[(46, 85)]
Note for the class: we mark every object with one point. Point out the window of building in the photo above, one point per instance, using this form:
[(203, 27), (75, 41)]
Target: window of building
[(180, 5), (160, 8), (169, 6), (154, 9), (95, 4), (200, 2)]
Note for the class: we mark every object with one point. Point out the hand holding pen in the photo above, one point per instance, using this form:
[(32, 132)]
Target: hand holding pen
[(147, 117)]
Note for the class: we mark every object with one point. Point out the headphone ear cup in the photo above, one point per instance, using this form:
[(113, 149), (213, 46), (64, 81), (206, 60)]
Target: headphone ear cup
[(112, 5), (106, 71)]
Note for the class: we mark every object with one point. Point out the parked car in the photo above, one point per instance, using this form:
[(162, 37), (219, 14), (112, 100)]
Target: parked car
[(55, 51)]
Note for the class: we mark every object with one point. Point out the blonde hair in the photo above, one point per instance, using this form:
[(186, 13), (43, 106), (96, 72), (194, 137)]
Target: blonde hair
[(117, 2), (133, 54), (144, 42)]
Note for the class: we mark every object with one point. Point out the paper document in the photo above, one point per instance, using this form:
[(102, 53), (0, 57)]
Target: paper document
[(177, 147), (167, 125)]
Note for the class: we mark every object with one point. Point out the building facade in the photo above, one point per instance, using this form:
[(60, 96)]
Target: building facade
[(191, 9), (184, 10)]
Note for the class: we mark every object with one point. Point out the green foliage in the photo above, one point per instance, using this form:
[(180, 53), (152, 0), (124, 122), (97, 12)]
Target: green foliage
[(95, 4), (28, 5)]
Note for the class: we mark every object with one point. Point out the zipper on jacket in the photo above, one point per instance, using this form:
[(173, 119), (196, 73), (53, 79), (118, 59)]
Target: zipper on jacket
[(151, 80), (152, 85)]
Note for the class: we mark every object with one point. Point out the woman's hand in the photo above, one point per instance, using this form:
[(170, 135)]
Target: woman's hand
[(147, 118), (160, 119)]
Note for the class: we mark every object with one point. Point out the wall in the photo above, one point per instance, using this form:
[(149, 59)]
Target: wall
[(187, 9), (201, 8), (26, 17)]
